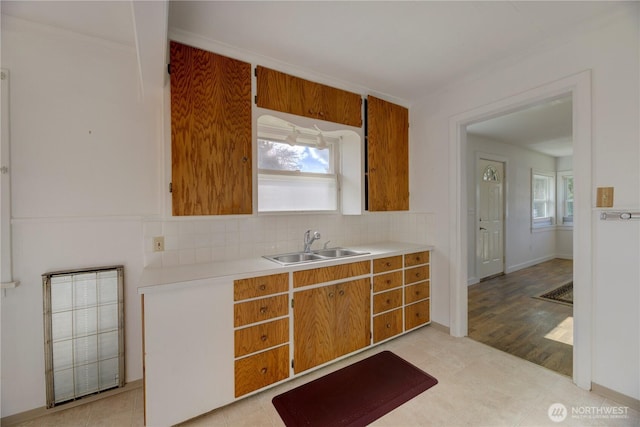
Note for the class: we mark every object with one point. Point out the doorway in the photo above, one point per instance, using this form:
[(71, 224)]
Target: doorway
[(579, 86), (536, 139)]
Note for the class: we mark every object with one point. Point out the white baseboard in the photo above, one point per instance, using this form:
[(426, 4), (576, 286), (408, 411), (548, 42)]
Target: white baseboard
[(623, 399), (529, 263)]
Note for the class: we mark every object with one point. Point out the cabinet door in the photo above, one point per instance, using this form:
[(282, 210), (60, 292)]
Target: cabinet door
[(274, 89), (210, 133), (283, 92), (387, 156), (353, 319), (313, 327)]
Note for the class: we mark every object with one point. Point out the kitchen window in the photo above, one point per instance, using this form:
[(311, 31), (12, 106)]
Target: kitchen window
[(542, 199), (297, 170)]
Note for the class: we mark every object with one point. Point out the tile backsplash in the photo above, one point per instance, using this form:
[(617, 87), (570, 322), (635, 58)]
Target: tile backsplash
[(202, 240)]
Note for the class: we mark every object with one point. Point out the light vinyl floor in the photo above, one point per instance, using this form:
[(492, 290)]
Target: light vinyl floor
[(478, 386)]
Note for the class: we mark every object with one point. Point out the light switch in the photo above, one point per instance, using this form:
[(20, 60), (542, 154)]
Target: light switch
[(158, 244), (604, 197)]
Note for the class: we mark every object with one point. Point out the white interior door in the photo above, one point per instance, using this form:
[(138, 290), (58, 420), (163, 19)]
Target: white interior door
[(490, 230)]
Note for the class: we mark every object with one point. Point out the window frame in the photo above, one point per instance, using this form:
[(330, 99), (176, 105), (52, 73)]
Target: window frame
[(562, 181), (548, 221)]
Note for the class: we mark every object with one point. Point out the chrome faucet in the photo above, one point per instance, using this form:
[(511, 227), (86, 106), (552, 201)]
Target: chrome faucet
[(309, 239)]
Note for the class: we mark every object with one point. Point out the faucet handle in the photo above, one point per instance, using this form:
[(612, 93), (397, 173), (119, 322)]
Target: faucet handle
[(325, 244)]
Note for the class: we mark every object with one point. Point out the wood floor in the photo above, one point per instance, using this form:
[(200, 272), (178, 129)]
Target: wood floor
[(503, 314)]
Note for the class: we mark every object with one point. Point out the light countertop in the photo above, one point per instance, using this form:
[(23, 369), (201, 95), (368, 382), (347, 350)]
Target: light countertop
[(159, 279)]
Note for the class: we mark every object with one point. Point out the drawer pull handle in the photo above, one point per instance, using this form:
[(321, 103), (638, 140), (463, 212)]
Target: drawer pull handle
[(331, 294), (341, 292), (263, 310), (417, 292), (263, 371), (417, 274), (388, 281), (388, 264), (263, 338), (388, 301), (417, 258), (417, 314), (263, 287), (388, 325)]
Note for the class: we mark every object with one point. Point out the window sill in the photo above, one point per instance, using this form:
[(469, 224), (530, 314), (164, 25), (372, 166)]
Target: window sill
[(543, 228)]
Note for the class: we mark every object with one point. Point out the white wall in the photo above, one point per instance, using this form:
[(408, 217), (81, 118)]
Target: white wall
[(85, 168), (611, 50), (523, 247)]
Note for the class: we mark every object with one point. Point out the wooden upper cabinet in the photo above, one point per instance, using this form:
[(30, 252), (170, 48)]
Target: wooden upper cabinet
[(210, 133), (387, 156), (282, 92)]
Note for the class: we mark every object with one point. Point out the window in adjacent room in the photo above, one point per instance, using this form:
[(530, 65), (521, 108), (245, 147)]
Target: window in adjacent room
[(565, 197), (297, 169), (543, 199)]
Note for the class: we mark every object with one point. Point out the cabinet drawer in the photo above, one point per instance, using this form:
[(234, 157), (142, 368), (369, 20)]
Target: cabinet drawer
[(262, 336), (416, 258), (262, 369), (416, 314), (387, 281), (381, 265), (417, 292), (387, 300), (327, 274), (387, 325), (260, 286), (416, 274), (254, 311)]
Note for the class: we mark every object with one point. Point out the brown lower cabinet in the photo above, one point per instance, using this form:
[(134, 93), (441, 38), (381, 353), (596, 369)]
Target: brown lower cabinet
[(262, 369), (387, 325), (416, 314), (330, 321)]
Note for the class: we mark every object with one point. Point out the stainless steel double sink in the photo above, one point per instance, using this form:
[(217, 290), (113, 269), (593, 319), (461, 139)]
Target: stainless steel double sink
[(318, 255)]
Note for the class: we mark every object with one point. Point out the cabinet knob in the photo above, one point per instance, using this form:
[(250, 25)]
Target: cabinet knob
[(310, 111), (341, 292), (388, 264), (417, 274), (262, 287), (245, 159), (388, 325), (331, 294), (263, 371), (388, 301), (321, 114), (263, 310), (388, 281), (417, 314), (263, 338), (417, 292)]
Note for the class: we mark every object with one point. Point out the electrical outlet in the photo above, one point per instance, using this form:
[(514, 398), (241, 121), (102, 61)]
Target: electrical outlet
[(158, 244)]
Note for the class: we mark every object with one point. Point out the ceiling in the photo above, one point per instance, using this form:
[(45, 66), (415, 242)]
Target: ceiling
[(402, 50), (545, 127)]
